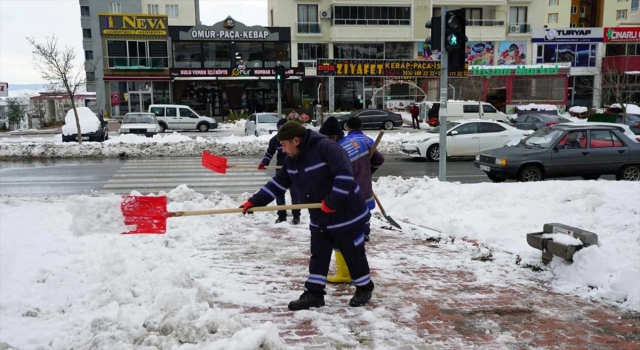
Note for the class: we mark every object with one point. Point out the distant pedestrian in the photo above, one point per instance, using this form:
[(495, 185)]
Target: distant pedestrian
[(415, 116)]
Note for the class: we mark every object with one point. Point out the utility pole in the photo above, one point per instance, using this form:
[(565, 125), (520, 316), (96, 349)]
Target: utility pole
[(444, 87), (279, 80)]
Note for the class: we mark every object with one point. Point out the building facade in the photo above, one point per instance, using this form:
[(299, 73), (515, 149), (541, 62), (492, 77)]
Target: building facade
[(95, 40)]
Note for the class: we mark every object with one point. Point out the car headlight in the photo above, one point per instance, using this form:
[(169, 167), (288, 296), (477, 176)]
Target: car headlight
[(124, 130), (501, 161), (477, 157)]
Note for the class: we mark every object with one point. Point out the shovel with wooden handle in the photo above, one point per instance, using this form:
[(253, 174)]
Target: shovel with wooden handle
[(149, 213), (384, 213), (219, 164)]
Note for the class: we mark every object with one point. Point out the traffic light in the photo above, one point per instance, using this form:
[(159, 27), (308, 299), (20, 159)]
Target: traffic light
[(435, 24), (280, 73), (455, 30)]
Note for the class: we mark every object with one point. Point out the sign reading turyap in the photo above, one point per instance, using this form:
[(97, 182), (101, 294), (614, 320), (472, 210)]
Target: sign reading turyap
[(123, 24), (229, 30), (382, 68), (566, 35)]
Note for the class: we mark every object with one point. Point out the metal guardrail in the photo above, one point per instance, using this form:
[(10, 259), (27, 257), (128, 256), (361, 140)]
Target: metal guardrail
[(115, 62), (486, 22)]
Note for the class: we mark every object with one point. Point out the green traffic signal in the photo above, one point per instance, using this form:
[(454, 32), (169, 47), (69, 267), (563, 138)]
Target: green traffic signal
[(453, 40)]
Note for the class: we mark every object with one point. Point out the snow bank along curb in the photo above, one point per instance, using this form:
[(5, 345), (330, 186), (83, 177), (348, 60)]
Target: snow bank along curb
[(151, 149)]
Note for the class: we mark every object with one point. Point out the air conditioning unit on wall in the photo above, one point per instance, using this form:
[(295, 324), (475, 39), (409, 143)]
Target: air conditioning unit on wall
[(325, 13), (514, 28)]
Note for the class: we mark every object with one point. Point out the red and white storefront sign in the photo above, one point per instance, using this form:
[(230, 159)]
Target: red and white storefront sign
[(621, 34)]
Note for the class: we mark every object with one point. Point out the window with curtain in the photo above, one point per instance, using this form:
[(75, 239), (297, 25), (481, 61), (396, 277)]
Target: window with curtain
[(216, 55), (518, 15), (308, 19)]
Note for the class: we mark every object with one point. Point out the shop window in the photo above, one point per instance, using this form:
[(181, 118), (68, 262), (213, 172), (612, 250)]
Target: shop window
[(216, 55), (580, 55), (161, 93), (359, 51), (399, 51), (250, 54), (346, 91), (309, 53), (539, 89), (187, 55), (372, 15), (274, 52)]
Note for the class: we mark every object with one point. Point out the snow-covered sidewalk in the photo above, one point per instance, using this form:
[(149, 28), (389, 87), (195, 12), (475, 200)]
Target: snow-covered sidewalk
[(223, 282)]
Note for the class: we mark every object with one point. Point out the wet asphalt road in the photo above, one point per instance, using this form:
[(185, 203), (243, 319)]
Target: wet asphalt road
[(81, 176)]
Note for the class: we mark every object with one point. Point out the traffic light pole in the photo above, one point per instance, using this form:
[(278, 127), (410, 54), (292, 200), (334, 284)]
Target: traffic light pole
[(279, 99), (444, 83)]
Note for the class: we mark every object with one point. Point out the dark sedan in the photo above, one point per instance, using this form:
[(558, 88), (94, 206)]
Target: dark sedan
[(535, 121), (565, 150), (373, 119)]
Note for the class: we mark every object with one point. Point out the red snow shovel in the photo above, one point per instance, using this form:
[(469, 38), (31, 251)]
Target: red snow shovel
[(149, 214), (219, 164)]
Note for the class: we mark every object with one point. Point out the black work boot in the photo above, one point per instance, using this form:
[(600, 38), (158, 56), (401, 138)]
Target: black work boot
[(281, 219), (307, 301), (296, 220), (360, 298), (366, 238)]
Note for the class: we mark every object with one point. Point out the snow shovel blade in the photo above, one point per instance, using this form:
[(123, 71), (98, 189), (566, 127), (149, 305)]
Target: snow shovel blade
[(215, 163), (390, 220), (148, 214)]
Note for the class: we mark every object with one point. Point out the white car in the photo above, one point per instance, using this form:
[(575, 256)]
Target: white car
[(179, 117), (465, 138), (140, 124), (262, 124)]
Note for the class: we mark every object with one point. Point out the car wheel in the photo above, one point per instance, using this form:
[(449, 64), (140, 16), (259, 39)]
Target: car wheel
[(163, 127), (590, 177), (345, 127), (530, 173), (388, 125), (496, 178), (629, 173), (433, 153), (204, 127)]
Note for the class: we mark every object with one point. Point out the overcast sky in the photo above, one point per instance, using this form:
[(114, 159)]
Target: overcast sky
[(20, 19)]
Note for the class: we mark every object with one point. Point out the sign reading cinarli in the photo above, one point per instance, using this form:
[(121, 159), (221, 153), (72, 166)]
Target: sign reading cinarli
[(621, 34)]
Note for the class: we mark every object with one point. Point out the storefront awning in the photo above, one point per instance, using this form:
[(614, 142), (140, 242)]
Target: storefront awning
[(135, 78)]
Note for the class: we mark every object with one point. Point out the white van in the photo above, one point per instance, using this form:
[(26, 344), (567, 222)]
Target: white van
[(178, 117), (467, 110)]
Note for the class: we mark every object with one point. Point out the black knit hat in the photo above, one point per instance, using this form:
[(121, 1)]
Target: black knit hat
[(354, 123), (290, 130), (331, 127)]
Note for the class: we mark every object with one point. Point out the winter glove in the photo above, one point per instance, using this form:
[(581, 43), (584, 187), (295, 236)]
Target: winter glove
[(261, 167), (246, 206), (326, 209)]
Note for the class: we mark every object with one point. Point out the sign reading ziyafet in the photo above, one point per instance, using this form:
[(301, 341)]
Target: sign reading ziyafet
[(621, 34), (382, 68), (142, 25), (482, 71)]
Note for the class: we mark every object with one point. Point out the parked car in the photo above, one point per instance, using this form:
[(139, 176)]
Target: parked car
[(562, 150), (536, 121), (633, 121), (465, 138), (140, 124), (373, 119), (178, 117), (261, 124), (458, 110), (92, 126), (625, 129)]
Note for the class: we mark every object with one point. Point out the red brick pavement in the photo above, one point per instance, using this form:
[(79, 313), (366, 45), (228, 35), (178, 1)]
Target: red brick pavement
[(438, 294)]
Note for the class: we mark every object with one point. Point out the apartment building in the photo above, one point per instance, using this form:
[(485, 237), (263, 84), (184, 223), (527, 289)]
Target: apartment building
[(499, 33), (126, 50)]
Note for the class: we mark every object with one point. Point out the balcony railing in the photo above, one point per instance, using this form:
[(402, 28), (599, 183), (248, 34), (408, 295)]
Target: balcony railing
[(486, 22), (519, 28), (138, 62), (308, 28)]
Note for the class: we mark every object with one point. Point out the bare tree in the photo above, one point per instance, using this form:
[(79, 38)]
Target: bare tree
[(475, 88), (38, 107), (617, 85), (15, 111), (57, 66)]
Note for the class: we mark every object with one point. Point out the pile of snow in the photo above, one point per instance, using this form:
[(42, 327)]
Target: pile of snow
[(89, 122), (537, 107), (194, 287), (578, 109), (631, 108), (96, 215), (161, 145)]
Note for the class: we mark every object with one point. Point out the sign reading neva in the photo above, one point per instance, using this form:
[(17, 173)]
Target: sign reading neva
[(567, 35), (621, 34), (382, 68), (488, 72), (119, 24), (229, 29)]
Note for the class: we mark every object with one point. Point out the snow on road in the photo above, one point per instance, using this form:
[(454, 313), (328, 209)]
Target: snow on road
[(220, 282)]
